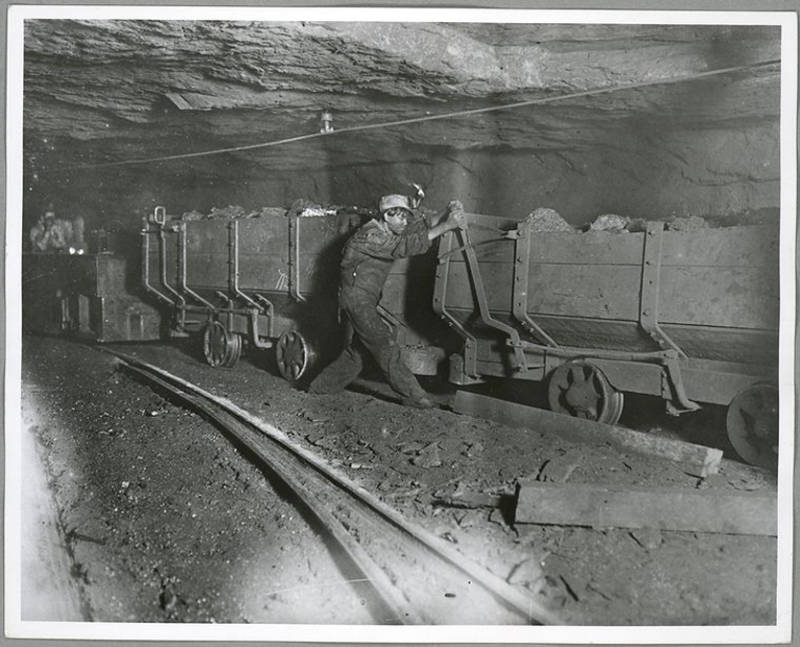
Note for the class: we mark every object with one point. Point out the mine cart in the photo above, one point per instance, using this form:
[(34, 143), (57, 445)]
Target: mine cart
[(271, 281), (689, 316), (89, 296)]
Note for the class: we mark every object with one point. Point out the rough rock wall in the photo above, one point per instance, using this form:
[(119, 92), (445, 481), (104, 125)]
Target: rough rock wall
[(104, 91), (713, 172), (707, 173)]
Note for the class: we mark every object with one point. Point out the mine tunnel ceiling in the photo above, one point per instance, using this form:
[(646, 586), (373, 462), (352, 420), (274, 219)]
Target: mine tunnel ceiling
[(107, 91)]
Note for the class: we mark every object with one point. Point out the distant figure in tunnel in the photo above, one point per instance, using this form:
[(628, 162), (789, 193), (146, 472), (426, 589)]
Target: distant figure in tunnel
[(51, 234), (366, 261)]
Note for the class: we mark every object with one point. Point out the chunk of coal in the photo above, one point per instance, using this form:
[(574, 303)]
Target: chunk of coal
[(428, 456), (192, 215), (610, 222)]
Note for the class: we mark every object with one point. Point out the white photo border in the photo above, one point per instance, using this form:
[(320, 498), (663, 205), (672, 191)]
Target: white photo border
[(15, 627)]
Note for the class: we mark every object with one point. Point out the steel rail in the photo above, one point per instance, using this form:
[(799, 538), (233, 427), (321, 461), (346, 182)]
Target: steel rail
[(427, 573), (375, 576)]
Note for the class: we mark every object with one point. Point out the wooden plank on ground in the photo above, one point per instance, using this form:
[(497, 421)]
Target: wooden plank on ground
[(694, 459), (739, 513)]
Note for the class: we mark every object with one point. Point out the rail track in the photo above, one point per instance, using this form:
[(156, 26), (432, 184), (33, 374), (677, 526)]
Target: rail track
[(416, 576)]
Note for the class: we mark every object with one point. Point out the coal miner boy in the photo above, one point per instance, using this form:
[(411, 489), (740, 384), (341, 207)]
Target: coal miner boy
[(367, 258), (51, 234)]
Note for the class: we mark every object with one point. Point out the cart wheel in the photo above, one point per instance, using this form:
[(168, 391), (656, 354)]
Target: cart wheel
[(218, 344), (578, 388), (294, 355), (752, 425), (234, 350)]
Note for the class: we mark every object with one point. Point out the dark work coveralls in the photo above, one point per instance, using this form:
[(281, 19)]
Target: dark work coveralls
[(366, 261)]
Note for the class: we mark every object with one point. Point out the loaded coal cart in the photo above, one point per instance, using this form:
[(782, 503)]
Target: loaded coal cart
[(690, 316), (269, 280)]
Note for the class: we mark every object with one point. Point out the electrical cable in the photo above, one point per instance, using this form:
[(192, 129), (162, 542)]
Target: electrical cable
[(446, 115)]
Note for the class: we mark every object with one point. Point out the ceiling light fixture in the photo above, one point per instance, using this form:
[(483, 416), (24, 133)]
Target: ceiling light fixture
[(326, 122)]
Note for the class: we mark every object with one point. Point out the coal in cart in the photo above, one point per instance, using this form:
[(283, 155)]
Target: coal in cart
[(270, 280), (688, 316)]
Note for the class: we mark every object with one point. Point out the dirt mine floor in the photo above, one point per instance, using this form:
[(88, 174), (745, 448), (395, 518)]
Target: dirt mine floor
[(165, 521)]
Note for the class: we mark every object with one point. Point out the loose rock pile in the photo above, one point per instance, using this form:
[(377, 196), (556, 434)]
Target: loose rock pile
[(232, 211), (545, 219)]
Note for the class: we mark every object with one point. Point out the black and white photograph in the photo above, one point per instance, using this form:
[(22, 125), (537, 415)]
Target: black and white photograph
[(399, 324)]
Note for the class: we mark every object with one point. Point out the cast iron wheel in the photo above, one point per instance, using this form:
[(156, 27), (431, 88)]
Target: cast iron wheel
[(235, 350), (579, 389), (752, 425), (218, 344), (293, 355)]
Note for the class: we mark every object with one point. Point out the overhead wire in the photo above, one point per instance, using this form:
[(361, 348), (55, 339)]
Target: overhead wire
[(424, 118)]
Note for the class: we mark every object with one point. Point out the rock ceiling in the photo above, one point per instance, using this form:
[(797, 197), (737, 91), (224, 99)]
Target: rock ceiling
[(106, 91)]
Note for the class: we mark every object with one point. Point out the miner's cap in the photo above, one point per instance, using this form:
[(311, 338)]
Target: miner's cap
[(394, 201)]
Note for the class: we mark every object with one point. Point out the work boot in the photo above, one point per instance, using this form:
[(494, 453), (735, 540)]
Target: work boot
[(422, 402)]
